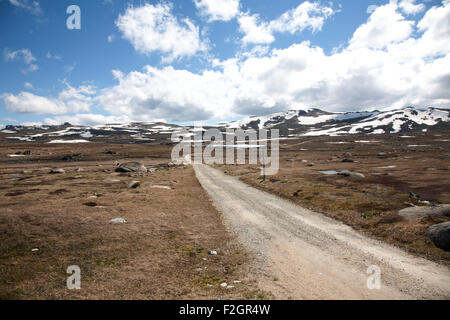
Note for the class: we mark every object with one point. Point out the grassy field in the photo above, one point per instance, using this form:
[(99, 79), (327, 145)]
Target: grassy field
[(160, 253)]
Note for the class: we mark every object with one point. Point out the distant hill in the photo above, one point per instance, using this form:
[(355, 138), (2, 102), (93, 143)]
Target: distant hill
[(313, 122)]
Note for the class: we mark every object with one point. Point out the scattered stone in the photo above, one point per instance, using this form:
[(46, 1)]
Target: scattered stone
[(224, 284), (112, 180), (34, 249), (79, 169), (69, 157), (347, 160), (419, 212), (90, 204), (118, 220), (175, 163), (310, 165), (440, 235), (134, 184), (347, 173), (237, 281), (230, 287), (155, 186), (131, 167), (412, 195), (110, 152), (57, 170), (212, 253)]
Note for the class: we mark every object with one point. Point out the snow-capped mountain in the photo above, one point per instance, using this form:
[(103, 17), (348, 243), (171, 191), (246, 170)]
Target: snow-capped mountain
[(315, 122)]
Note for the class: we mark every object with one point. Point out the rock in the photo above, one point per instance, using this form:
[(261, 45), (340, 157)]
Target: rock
[(118, 220), (212, 252), (131, 167), (412, 195), (348, 160), (57, 170), (155, 186), (224, 285), (134, 184), (419, 212), (90, 204), (35, 250), (175, 163), (440, 235), (230, 287), (79, 169), (310, 165), (347, 173), (111, 180)]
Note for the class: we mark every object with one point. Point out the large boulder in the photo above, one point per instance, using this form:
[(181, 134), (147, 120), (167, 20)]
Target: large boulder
[(131, 167), (419, 212), (440, 235), (347, 173)]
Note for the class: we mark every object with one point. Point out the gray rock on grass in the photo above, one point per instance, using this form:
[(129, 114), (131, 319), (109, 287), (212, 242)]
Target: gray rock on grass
[(131, 167), (440, 235), (419, 212)]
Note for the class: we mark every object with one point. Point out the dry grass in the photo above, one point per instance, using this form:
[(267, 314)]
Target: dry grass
[(160, 253)]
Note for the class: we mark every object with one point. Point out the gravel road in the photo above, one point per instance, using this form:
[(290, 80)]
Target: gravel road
[(300, 254)]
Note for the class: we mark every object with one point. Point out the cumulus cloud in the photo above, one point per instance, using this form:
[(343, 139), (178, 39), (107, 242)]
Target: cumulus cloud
[(215, 10), (69, 100), (178, 95), (307, 15), (30, 5), (385, 26), (385, 71), (410, 6), (152, 28), (389, 62)]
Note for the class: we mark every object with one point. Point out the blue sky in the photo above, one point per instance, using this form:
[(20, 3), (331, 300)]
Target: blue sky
[(215, 60)]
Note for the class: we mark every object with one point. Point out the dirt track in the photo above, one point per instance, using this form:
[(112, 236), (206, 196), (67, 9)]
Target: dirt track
[(301, 254)]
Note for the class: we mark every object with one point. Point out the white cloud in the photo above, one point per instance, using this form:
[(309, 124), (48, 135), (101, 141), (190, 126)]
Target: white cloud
[(384, 72), (30, 68), (24, 55), (152, 28), (168, 93), (223, 10), (69, 100), (307, 15), (385, 26), (389, 62), (371, 8), (28, 85), (110, 38), (255, 30), (410, 6), (52, 56), (29, 5)]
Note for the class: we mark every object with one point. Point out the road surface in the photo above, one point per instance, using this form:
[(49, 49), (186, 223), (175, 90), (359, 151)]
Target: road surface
[(301, 254)]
